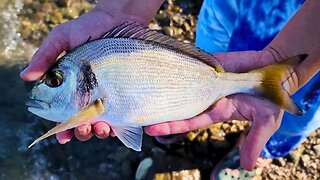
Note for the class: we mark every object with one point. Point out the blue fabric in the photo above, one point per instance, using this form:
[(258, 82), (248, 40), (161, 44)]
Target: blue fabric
[(238, 25)]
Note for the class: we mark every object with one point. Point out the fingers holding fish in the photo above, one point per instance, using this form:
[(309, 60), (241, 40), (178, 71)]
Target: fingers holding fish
[(65, 37), (182, 126), (265, 117), (83, 132), (262, 129), (244, 61), (101, 130), (223, 110), (65, 136), (46, 55)]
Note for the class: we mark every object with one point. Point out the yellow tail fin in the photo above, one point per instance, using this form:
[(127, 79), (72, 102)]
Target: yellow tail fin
[(272, 84)]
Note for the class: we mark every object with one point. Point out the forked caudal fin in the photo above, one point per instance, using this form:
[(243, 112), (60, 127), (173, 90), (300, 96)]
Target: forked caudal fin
[(273, 82)]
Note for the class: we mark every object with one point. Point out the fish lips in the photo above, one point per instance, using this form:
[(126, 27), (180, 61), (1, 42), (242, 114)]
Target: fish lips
[(37, 104)]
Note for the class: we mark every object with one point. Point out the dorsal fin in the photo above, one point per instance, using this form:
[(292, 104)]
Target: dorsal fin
[(138, 31)]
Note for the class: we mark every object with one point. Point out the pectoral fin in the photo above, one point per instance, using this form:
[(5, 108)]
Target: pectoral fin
[(84, 116), (130, 136)]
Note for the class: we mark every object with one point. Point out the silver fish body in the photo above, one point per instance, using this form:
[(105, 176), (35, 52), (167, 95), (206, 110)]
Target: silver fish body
[(143, 78), (144, 84)]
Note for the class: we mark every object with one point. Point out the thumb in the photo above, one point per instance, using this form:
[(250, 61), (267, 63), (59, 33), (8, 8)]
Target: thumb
[(244, 61), (55, 43)]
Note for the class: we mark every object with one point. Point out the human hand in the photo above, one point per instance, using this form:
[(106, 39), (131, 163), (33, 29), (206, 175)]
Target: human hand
[(84, 132), (65, 37)]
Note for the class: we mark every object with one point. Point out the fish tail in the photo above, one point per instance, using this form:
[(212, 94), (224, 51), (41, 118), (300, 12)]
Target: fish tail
[(277, 81)]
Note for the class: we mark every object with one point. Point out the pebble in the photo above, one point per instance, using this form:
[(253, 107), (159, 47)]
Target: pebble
[(295, 155), (305, 159), (193, 174), (313, 165), (225, 126), (316, 148), (279, 162)]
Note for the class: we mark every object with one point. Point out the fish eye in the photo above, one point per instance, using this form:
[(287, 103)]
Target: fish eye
[(54, 79)]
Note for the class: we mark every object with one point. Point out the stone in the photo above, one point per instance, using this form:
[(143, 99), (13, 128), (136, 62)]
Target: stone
[(316, 148), (279, 162), (296, 154), (305, 159), (184, 174)]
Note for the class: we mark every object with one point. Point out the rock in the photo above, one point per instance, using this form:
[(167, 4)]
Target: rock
[(272, 176), (313, 165), (233, 128), (143, 168), (296, 154), (193, 174), (191, 135), (225, 126), (168, 30), (316, 148), (280, 172), (279, 162), (305, 159), (203, 136), (301, 175), (187, 27)]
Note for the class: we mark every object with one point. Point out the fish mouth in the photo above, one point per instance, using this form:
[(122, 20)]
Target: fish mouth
[(37, 103)]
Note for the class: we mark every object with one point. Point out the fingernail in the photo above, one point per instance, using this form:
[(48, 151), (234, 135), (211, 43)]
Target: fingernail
[(23, 72), (64, 141), (83, 130), (100, 132)]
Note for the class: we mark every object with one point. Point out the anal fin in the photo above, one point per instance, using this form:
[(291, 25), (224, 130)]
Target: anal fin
[(130, 136)]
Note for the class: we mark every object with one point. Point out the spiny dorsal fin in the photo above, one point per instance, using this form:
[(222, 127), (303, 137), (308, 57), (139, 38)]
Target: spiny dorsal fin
[(137, 31)]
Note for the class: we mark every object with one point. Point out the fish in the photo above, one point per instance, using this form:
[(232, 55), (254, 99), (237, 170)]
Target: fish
[(134, 76)]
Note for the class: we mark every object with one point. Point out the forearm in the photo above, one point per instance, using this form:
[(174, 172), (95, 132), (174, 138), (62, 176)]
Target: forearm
[(135, 10), (301, 36)]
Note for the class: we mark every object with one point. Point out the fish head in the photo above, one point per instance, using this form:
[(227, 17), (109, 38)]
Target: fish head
[(60, 93)]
